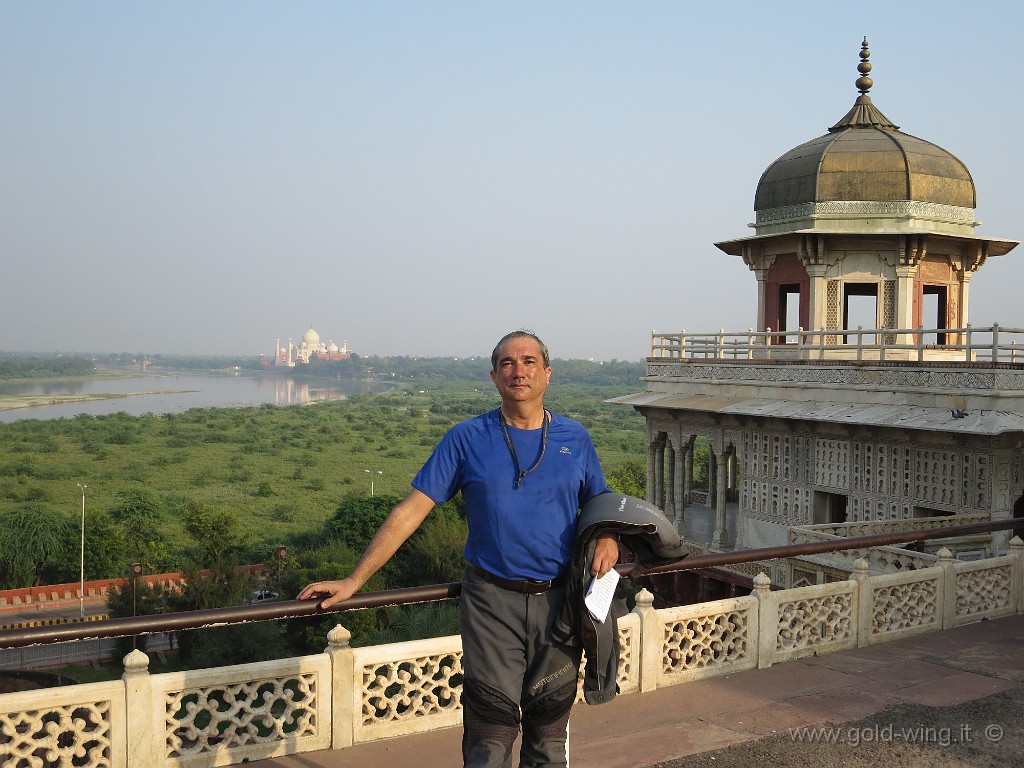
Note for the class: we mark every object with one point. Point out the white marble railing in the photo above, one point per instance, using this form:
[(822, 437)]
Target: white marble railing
[(968, 344), (880, 559), (348, 695), (803, 533)]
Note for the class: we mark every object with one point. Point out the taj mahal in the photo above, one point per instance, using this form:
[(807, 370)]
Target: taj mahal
[(309, 349)]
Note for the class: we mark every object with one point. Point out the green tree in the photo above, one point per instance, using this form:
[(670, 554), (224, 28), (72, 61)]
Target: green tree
[(221, 585), (216, 532), (138, 513), (358, 519), (416, 622), (106, 549), (701, 456), (434, 554), (332, 559), (35, 539), (138, 599), (629, 478)]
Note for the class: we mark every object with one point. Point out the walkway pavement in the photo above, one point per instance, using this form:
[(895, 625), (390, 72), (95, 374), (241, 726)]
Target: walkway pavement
[(935, 669)]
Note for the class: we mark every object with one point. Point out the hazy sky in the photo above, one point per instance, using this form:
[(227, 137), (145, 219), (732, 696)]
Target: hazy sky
[(421, 177)]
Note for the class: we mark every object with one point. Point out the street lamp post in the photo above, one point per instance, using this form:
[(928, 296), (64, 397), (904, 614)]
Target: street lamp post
[(371, 478), (81, 562), (136, 571)]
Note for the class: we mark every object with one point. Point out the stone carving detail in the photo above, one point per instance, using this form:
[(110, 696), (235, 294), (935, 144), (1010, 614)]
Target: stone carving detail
[(211, 720), (848, 208), (901, 472), (832, 467), (889, 310), (832, 310), (814, 621), (411, 688), (803, 578), (628, 665), (889, 378), (905, 606), (981, 590), (1005, 380), (74, 734), (705, 641), (936, 475), (882, 480), (977, 480)]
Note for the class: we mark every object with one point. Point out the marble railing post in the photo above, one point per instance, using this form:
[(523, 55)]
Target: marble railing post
[(865, 605), (1017, 550), (948, 587), (343, 683), (650, 641), (145, 726), (767, 621)]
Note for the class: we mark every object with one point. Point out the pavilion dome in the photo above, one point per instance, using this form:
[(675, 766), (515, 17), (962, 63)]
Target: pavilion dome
[(866, 166)]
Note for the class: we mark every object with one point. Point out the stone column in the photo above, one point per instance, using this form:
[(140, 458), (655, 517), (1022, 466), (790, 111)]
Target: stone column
[(652, 457), (688, 470), (712, 476), (816, 296), (679, 492), (721, 536), (762, 275), (659, 471), (965, 284), (905, 302), (670, 480)]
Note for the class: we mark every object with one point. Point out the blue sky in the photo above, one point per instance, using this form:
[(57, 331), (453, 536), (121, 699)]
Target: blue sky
[(418, 178)]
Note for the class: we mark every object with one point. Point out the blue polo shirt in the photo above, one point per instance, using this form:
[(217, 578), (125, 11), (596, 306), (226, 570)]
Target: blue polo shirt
[(516, 533)]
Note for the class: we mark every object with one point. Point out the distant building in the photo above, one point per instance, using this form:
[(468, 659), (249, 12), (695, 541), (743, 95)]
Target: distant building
[(309, 349)]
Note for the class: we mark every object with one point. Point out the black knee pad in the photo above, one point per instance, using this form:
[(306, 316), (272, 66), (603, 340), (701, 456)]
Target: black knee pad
[(489, 704), (552, 706)]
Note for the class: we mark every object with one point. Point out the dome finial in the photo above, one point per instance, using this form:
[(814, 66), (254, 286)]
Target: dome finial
[(864, 114), (864, 82)]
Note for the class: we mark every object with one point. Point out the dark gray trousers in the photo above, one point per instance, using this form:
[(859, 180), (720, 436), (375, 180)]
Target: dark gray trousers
[(515, 675)]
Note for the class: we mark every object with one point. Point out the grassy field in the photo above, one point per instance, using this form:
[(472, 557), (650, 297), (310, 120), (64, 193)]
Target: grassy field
[(283, 470)]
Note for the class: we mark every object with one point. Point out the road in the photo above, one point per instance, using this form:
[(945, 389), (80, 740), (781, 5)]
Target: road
[(12, 617)]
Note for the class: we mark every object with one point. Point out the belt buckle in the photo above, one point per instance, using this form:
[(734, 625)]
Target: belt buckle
[(539, 587)]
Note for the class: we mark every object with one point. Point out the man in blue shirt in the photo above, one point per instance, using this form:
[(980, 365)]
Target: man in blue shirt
[(524, 472)]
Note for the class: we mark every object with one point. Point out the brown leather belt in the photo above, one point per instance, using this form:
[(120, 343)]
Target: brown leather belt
[(525, 587)]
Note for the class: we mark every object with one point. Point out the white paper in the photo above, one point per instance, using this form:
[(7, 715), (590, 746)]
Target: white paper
[(600, 594)]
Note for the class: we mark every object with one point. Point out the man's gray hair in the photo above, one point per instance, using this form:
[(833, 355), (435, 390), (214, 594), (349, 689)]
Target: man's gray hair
[(521, 333)]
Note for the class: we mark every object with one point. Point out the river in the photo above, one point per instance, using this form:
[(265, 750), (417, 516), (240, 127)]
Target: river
[(171, 393)]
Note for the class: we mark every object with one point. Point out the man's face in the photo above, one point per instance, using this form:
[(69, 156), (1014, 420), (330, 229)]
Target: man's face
[(520, 375)]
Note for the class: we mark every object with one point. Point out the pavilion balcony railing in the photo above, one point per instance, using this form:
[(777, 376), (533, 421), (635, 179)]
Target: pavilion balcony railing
[(232, 714), (986, 345)]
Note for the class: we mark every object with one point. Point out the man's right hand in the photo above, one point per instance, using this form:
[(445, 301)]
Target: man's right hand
[(332, 592)]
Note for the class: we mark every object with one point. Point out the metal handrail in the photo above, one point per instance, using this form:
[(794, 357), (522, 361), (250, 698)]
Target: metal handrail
[(287, 609)]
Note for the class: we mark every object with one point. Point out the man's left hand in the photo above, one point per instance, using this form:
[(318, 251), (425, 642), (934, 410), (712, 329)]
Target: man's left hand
[(606, 554)]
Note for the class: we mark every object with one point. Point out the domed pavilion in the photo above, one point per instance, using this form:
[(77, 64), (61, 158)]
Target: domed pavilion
[(865, 213), (813, 425)]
